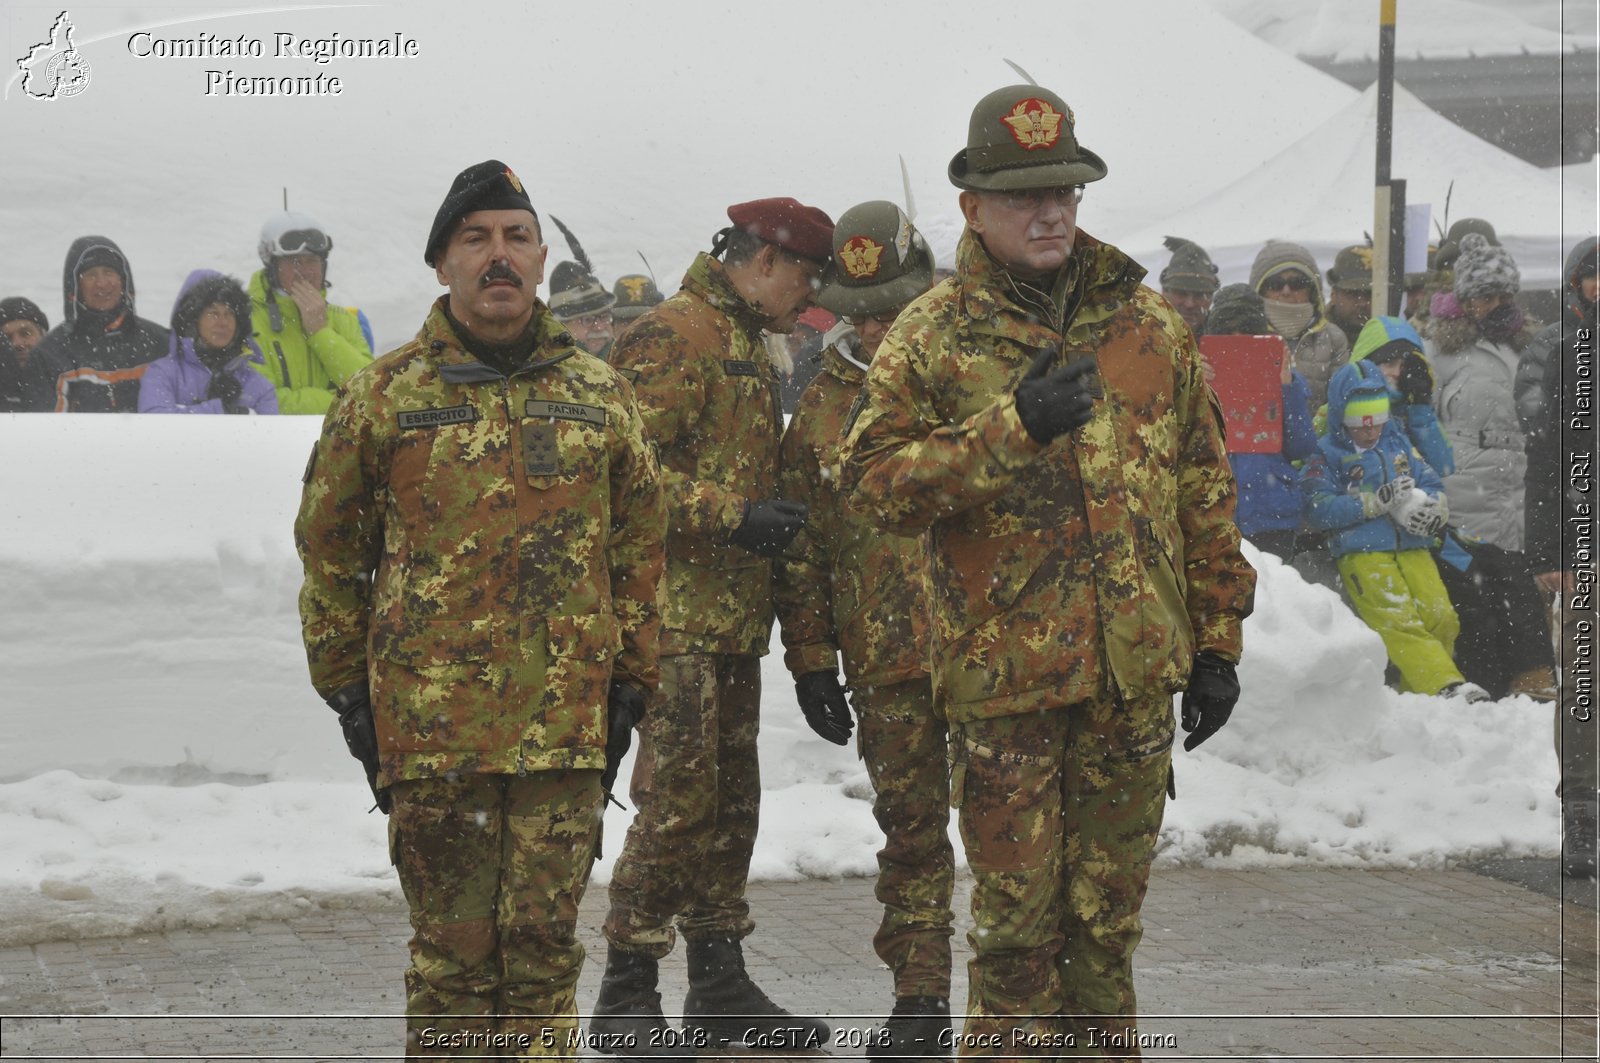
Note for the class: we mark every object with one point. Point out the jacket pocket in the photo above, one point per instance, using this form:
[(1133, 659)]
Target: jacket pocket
[(431, 688), (581, 652)]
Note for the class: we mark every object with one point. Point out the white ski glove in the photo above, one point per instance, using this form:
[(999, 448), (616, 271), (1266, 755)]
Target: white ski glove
[(1420, 514)]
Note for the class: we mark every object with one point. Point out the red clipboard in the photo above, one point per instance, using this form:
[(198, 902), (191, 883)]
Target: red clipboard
[(1249, 382)]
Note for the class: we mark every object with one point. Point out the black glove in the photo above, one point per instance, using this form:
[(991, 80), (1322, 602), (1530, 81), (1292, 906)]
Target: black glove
[(826, 710), (624, 710), (226, 386), (354, 706), (1416, 379), (1207, 704), (769, 526), (1052, 404)]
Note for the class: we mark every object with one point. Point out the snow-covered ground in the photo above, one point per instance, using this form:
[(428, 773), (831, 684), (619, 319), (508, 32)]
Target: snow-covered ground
[(164, 760), (162, 757)]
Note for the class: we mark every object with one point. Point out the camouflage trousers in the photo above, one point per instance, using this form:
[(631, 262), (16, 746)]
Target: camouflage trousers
[(904, 743), (697, 787), (1059, 813), (493, 867)]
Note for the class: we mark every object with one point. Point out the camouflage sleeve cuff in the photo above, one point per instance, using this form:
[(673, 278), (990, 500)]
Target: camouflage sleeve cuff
[(1000, 428), (815, 657)]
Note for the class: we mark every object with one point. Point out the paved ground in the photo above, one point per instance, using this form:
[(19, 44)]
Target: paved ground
[(1323, 964)]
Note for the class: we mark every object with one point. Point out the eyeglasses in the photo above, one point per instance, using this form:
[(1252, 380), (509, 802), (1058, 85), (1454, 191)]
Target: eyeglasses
[(217, 310), (296, 241), (884, 318), (592, 320), (1031, 199), (1295, 282)]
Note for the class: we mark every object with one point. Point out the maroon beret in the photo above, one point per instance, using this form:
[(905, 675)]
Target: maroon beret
[(793, 226)]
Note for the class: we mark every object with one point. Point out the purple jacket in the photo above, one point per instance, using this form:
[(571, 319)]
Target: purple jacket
[(180, 382)]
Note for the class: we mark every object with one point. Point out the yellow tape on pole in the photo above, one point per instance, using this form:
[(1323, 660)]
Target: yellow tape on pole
[(1386, 13)]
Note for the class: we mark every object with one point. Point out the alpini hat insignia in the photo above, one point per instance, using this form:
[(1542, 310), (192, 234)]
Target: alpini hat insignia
[(861, 256), (1035, 124)]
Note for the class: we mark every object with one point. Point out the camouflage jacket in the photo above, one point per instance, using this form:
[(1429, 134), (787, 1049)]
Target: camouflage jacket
[(485, 551), (709, 398), (844, 585), (1100, 562)]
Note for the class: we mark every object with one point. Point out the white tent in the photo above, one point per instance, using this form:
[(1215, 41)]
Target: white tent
[(1318, 191), (635, 123)]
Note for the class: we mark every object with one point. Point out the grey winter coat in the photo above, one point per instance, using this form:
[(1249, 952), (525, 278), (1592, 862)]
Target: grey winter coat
[(1474, 397)]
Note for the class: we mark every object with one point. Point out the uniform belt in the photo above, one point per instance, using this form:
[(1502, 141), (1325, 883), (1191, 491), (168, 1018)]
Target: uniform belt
[(1484, 439)]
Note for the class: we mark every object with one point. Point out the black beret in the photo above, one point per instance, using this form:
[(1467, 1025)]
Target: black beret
[(489, 185)]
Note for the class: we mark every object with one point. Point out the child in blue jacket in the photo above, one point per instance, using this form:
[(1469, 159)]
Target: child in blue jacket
[(1382, 504)]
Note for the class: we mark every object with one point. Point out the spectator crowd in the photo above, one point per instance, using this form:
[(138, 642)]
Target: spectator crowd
[(925, 508)]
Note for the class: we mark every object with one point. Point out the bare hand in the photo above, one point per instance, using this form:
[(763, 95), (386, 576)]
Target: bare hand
[(1206, 370), (313, 307), (1286, 371), (1552, 583)]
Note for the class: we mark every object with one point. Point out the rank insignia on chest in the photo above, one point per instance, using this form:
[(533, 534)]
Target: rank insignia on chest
[(739, 367), (541, 454), (440, 415)]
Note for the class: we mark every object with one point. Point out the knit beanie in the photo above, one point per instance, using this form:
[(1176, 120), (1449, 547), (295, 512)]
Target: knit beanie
[(1237, 310), (1485, 269), (16, 308), (1366, 409), (1191, 269)]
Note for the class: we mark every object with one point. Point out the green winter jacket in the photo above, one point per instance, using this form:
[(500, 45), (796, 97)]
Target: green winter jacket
[(1099, 563), (304, 369), (485, 552)]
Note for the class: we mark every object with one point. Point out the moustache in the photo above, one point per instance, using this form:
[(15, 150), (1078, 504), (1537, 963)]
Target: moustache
[(499, 272)]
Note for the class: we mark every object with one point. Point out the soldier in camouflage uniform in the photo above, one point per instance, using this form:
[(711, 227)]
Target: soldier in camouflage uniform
[(1043, 415), (709, 397), (846, 589), (482, 534)]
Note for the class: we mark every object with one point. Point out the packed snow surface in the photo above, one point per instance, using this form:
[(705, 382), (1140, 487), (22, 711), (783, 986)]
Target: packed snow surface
[(166, 762)]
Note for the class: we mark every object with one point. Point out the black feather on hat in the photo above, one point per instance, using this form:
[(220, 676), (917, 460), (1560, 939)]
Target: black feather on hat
[(576, 293)]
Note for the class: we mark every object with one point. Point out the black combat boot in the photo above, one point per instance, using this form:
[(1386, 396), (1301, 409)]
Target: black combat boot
[(627, 1021), (725, 1004), (918, 1028), (1580, 820)]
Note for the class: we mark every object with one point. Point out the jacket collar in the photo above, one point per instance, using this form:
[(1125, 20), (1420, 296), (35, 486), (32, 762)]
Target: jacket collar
[(552, 344), (708, 279), (1096, 273)]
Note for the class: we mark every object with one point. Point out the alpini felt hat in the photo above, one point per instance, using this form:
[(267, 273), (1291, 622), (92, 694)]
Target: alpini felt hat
[(635, 293), (880, 261), (574, 293), (1019, 137)]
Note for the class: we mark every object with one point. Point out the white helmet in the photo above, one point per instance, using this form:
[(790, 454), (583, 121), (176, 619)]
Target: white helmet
[(293, 234)]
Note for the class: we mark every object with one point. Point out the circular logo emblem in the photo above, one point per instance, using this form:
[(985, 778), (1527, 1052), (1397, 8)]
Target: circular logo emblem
[(861, 256), (67, 74), (1034, 124)]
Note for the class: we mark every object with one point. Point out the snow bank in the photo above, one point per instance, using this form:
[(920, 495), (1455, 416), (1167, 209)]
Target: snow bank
[(165, 761)]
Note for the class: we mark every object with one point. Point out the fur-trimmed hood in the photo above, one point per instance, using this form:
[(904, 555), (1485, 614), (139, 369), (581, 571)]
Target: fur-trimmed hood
[(202, 288), (1452, 335)]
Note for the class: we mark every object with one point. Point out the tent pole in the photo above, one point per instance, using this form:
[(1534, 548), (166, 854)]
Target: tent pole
[(1387, 254)]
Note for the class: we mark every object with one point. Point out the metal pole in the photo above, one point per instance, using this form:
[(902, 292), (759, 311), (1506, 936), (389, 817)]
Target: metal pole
[(1382, 207)]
